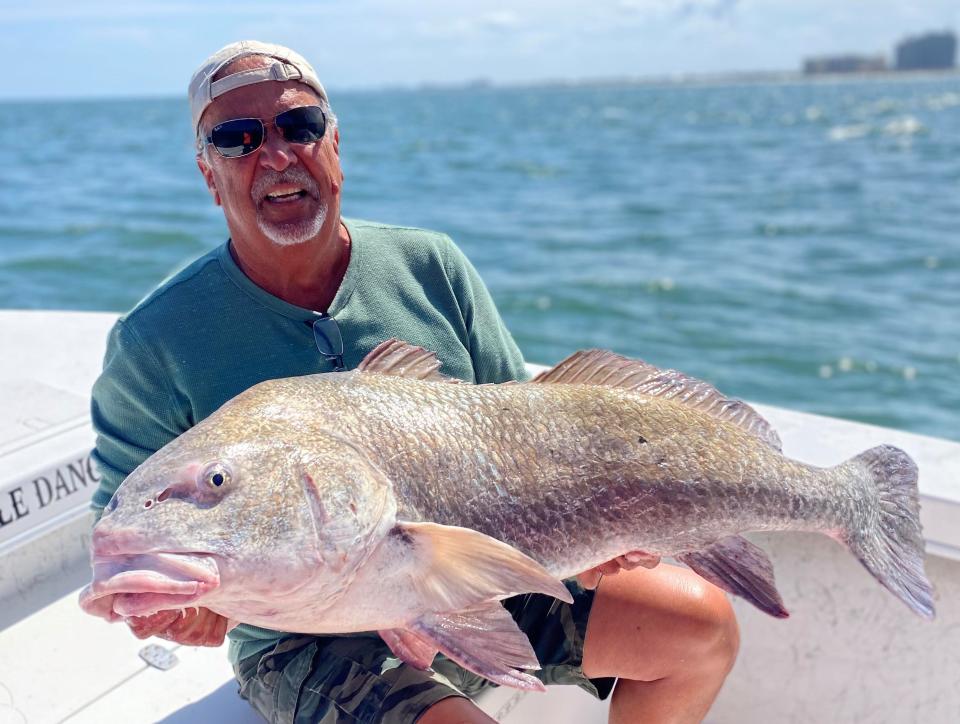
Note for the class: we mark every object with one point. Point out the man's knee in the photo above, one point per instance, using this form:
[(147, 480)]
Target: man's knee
[(706, 626), (712, 631), (656, 623)]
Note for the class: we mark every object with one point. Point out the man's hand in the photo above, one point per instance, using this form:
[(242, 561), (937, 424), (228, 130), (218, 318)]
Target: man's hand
[(195, 627), (627, 562)]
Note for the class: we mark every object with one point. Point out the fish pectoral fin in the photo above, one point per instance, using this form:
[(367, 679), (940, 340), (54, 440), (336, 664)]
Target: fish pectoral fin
[(410, 647), (738, 566), (457, 568), (483, 639)]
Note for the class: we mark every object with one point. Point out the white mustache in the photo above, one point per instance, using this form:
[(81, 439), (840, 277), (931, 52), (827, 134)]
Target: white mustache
[(292, 175)]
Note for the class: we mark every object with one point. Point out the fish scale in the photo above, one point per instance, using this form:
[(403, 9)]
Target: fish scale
[(565, 450), (528, 497)]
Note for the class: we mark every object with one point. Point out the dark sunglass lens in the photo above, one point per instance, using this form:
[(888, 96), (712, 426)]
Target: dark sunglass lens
[(327, 334), (302, 125), (237, 138)]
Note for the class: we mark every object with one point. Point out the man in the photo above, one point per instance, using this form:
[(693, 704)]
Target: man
[(269, 153)]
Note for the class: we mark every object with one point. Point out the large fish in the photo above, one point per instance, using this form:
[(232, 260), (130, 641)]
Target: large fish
[(389, 499)]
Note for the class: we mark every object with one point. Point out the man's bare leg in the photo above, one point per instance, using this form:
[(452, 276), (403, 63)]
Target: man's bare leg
[(669, 636)]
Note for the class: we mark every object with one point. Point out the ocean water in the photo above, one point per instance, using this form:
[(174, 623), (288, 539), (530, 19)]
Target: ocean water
[(795, 244)]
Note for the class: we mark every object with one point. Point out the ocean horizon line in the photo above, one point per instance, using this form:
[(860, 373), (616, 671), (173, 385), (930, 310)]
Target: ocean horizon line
[(675, 79)]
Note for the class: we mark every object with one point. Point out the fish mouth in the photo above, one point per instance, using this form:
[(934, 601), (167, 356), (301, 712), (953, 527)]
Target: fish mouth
[(142, 584)]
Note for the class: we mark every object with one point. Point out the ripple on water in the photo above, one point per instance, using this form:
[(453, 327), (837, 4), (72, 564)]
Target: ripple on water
[(751, 235)]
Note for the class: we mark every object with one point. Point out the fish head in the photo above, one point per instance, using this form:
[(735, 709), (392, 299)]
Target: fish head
[(239, 526)]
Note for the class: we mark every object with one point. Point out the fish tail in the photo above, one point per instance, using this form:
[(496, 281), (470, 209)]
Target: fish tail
[(891, 546)]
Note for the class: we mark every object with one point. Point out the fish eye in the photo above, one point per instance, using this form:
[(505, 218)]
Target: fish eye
[(216, 475)]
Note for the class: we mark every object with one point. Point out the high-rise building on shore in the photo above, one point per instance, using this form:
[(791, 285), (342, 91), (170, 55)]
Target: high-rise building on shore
[(933, 51)]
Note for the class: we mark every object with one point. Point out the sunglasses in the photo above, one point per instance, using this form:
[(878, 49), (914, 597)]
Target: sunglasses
[(326, 333), (242, 136)]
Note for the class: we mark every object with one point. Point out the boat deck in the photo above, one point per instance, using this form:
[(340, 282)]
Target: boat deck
[(850, 651), (56, 667)]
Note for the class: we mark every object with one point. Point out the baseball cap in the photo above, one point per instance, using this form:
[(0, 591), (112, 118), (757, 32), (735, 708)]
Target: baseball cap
[(287, 65)]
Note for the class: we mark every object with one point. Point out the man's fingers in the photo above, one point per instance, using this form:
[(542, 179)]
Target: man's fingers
[(634, 559), (609, 568), (144, 627), (220, 632), (191, 627), (209, 629), (199, 628), (590, 579), (628, 561)]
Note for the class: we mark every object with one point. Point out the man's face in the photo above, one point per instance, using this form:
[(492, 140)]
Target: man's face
[(286, 192)]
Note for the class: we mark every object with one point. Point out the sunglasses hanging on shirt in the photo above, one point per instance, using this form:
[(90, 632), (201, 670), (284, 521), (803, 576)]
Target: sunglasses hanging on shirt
[(326, 333)]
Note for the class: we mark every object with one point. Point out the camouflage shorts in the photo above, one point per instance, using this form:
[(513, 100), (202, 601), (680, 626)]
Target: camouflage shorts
[(328, 680)]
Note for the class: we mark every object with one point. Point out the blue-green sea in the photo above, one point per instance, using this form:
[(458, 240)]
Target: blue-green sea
[(793, 243)]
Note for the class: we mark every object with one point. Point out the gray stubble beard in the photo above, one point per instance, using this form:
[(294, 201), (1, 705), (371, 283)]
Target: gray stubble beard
[(292, 233)]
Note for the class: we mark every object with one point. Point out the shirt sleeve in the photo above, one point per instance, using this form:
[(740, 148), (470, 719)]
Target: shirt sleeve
[(495, 356), (134, 411)]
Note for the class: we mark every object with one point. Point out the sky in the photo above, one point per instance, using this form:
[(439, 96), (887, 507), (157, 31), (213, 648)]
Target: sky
[(108, 48)]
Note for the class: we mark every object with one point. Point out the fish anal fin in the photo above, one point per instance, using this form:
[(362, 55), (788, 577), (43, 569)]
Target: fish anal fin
[(600, 367), (401, 359), (739, 567), (410, 647), (455, 568), (483, 639)]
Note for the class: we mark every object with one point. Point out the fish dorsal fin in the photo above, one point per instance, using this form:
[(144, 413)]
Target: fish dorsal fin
[(600, 367), (401, 359)]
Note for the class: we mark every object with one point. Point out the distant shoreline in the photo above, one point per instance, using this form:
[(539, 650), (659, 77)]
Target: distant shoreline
[(685, 79), (679, 79)]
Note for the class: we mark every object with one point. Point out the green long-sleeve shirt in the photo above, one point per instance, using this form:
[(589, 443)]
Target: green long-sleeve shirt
[(208, 333)]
